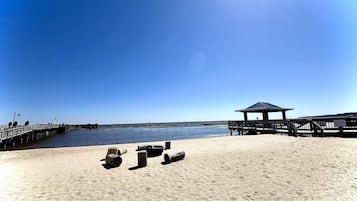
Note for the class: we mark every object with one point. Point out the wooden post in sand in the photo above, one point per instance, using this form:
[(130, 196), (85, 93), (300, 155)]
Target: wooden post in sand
[(168, 145), (142, 158)]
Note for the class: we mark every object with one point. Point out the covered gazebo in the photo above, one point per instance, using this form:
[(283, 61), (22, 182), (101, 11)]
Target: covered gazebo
[(264, 108)]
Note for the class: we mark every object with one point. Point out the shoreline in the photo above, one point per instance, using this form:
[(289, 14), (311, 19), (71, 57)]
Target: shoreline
[(58, 141), (259, 167)]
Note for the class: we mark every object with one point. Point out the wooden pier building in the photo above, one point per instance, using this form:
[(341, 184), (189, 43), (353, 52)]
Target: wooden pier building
[(342, 125)]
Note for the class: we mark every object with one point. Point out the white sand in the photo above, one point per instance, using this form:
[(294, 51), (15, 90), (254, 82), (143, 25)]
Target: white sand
[(263, 167)]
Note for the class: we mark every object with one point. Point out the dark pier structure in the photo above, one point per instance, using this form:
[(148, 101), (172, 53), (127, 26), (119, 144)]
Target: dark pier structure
[(20, 135), (340, 125), (85, 126)]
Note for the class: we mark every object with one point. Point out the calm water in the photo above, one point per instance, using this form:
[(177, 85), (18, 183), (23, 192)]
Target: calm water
[(118, 134)]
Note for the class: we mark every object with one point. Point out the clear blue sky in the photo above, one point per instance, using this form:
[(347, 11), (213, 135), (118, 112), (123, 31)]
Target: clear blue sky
[(174, 60)]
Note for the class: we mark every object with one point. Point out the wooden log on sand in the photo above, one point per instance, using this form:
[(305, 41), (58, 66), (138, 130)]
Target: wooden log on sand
[(172, 157), (152, 150), (122, 151), (142, 158), (113, 160), (118, 151), (143, 147), (112, 150), (112, 156)]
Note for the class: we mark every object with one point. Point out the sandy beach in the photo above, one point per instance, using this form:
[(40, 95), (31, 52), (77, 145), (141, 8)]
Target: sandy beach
[(263, 167)]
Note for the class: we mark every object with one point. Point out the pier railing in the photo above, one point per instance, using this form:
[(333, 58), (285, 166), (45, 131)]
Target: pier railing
[(12, 132), (298, 127)]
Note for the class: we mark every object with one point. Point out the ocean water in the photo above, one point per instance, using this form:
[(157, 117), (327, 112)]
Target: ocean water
[(118, 134)]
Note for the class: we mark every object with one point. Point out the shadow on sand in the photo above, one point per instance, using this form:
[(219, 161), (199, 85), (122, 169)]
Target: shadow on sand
[(136, 167), (107, 166), (165, 163)]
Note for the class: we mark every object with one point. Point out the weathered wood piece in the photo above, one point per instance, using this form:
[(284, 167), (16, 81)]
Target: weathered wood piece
[(172, 157), (117, 151), (152, 150), (122, 151), (142, 159), (168, 145), (113, 160), (112, 150), (143, 147)]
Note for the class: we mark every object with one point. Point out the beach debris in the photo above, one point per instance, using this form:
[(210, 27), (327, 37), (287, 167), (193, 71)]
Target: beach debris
[(113, 160), (113, 156), (142, 158), (143, 147), (112, 150), (172, 157), (152, 150), (122, 151), (115, 150), (168, 145)]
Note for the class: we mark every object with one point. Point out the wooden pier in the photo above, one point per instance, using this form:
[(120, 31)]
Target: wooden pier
[(339, 127), (20, 135), (342, 125), (25, 134)]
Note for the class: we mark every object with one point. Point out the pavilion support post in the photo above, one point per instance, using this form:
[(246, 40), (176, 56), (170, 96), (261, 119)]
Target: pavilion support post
[(266, 121), (265, 116), (284, 115), (245, 116)]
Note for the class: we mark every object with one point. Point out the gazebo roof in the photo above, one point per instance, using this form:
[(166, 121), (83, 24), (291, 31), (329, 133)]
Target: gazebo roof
[(264, 107)]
